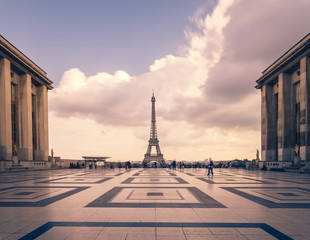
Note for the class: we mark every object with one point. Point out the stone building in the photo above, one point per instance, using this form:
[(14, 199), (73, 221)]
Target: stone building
[(285, 106), (23, 110)]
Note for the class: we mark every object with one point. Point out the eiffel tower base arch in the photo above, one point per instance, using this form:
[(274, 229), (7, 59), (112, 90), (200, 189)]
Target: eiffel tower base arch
[(159, 158)]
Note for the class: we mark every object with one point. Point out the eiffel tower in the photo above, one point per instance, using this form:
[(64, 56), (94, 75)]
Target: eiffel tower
[(153, 142)]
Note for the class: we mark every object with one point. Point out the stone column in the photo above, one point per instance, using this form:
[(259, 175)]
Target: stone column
[(25, 105), (5, 110), (304, 108), (285, 119), (267, 123), (42, 123), (263, 123)]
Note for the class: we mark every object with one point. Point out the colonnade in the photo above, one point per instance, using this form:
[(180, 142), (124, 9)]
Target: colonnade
[(24, 114), (285, 104)]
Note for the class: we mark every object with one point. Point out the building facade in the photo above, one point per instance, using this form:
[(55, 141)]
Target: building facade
[(285, 106), (23, 110)]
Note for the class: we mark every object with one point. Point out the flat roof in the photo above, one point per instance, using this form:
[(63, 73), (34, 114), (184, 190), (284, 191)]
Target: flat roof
[(95, 158), (298, 49), (9, 51)]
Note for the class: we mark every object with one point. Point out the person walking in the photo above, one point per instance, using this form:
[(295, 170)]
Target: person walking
[(210, 166)]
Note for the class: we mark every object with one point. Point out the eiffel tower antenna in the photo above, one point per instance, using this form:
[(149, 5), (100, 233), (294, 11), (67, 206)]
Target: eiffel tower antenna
[(153, 142)]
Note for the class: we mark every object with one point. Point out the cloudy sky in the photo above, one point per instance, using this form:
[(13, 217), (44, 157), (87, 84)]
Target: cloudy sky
[(201, 57)]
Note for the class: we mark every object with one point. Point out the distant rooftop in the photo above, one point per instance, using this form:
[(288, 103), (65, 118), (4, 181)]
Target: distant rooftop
[(95, 158)]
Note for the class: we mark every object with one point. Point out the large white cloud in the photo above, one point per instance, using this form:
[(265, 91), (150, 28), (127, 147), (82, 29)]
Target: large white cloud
[(206, 100), (120, 99)]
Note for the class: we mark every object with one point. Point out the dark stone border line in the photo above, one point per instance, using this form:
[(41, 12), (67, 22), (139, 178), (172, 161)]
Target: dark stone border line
[(129, 181), (20, 180), (118, 174), (138, 174), (257, 181), (152, 176), (181, 197), (49, 225), (189, 174), (205, 200), (44, 202), (201, 175), (291, 181), (99, 174), (265, 202), (297, 200), (97, 182)]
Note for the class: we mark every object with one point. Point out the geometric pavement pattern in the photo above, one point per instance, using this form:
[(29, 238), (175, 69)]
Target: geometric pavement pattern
[(154, 204), (155, 197), (37, 196), (275, 197), (102, 230)]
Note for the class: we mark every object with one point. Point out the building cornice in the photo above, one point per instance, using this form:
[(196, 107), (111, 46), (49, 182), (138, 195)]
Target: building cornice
[(10, 51), (288, 57)]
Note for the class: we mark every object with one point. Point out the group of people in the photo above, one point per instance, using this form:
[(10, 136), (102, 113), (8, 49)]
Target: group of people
[(209, 164), (173, 164)]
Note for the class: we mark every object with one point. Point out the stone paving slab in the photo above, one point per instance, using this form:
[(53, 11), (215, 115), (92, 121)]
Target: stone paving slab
[(154, 204)]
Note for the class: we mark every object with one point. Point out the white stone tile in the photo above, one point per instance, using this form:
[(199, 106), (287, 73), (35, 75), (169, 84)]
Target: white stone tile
[(196, 231), (223, 231), (169, 233), (230, 237)]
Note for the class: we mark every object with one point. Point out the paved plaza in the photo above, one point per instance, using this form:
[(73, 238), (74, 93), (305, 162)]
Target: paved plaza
[(154, 204)]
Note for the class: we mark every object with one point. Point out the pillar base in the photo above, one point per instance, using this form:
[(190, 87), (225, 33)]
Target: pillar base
[(5, 153), (305, 153), (41, 155), (25, 154), (286, 154), (270, 154)]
